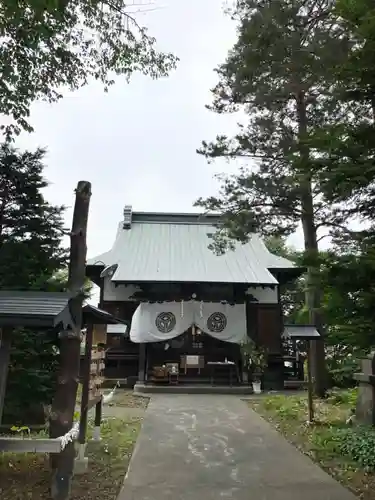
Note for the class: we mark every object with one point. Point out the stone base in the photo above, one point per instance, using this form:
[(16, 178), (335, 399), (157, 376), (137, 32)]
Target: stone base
[(81, 465), (365, 410), (192, 389)]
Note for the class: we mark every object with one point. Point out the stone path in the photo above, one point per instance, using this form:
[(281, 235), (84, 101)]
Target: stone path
[(215, 447)]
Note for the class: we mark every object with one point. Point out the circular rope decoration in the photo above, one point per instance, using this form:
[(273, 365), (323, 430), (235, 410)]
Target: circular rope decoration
[(165, 322), (217, 322)]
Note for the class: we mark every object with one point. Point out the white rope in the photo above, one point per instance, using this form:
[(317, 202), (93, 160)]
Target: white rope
[(70, 436), (73, 434), (108, 398)]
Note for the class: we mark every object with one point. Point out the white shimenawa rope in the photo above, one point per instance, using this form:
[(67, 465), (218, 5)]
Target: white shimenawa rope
[(108, 398), (72, 435)]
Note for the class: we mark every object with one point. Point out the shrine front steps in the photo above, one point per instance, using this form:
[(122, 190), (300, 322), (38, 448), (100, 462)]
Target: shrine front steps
[(142, 388)]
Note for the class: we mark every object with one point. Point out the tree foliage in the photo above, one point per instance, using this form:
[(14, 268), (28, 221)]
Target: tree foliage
[(347, 169), (54, 44), (31, 231)]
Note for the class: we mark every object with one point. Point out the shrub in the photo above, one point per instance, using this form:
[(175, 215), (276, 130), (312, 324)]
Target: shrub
[(355, 443), (32, 377), (358, 443), (341, 370), (346, 397)]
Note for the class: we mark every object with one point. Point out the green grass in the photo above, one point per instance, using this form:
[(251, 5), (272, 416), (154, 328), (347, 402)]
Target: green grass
[(346, 452), (27, 476)]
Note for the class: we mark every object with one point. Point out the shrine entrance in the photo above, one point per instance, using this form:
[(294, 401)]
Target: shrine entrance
[(197, 357)]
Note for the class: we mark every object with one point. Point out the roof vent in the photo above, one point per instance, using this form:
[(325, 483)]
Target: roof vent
[(127, 224)]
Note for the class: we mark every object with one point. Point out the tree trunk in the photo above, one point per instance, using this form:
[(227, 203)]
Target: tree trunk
[(63, 406), (313, 291), (4, 200)]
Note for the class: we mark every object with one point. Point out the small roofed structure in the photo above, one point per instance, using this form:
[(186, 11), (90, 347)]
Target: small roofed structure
[(47, 310), (300, 332), (295, 352), (53, 311), (306, 333), (35, 309)]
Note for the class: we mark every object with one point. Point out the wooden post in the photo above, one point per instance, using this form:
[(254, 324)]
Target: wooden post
[(310, 387), (85, 387), (98, 420), (63, 406), (5, 341), (142, 359)]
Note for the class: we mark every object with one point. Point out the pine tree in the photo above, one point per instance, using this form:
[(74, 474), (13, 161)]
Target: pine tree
[(347, 167), (30, 228), (31, 231), (280, 73)]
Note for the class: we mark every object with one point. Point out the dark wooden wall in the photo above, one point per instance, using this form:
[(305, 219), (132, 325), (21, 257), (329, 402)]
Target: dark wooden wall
[(264, 325), (269, 327), (123, 355), (123, 310)]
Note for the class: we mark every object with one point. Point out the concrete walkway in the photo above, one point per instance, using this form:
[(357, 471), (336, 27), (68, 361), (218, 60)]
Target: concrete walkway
[(215, 447)]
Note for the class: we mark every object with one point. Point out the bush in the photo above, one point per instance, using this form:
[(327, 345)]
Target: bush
[(355, 443), (341, 370), (32, 377), (346, 397), (358, 443)]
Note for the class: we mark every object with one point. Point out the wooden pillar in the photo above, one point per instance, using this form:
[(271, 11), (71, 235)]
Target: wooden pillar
[(63, 406), (310, 388), (142, 363), (252, 320), (5, 342), (270, 329), (98, 420), (85, 386)]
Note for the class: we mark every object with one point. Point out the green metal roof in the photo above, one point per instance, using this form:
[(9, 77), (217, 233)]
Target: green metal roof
[(174, 248)]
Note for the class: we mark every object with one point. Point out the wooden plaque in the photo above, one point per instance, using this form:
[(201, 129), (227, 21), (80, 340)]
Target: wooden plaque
[(96, 374)]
